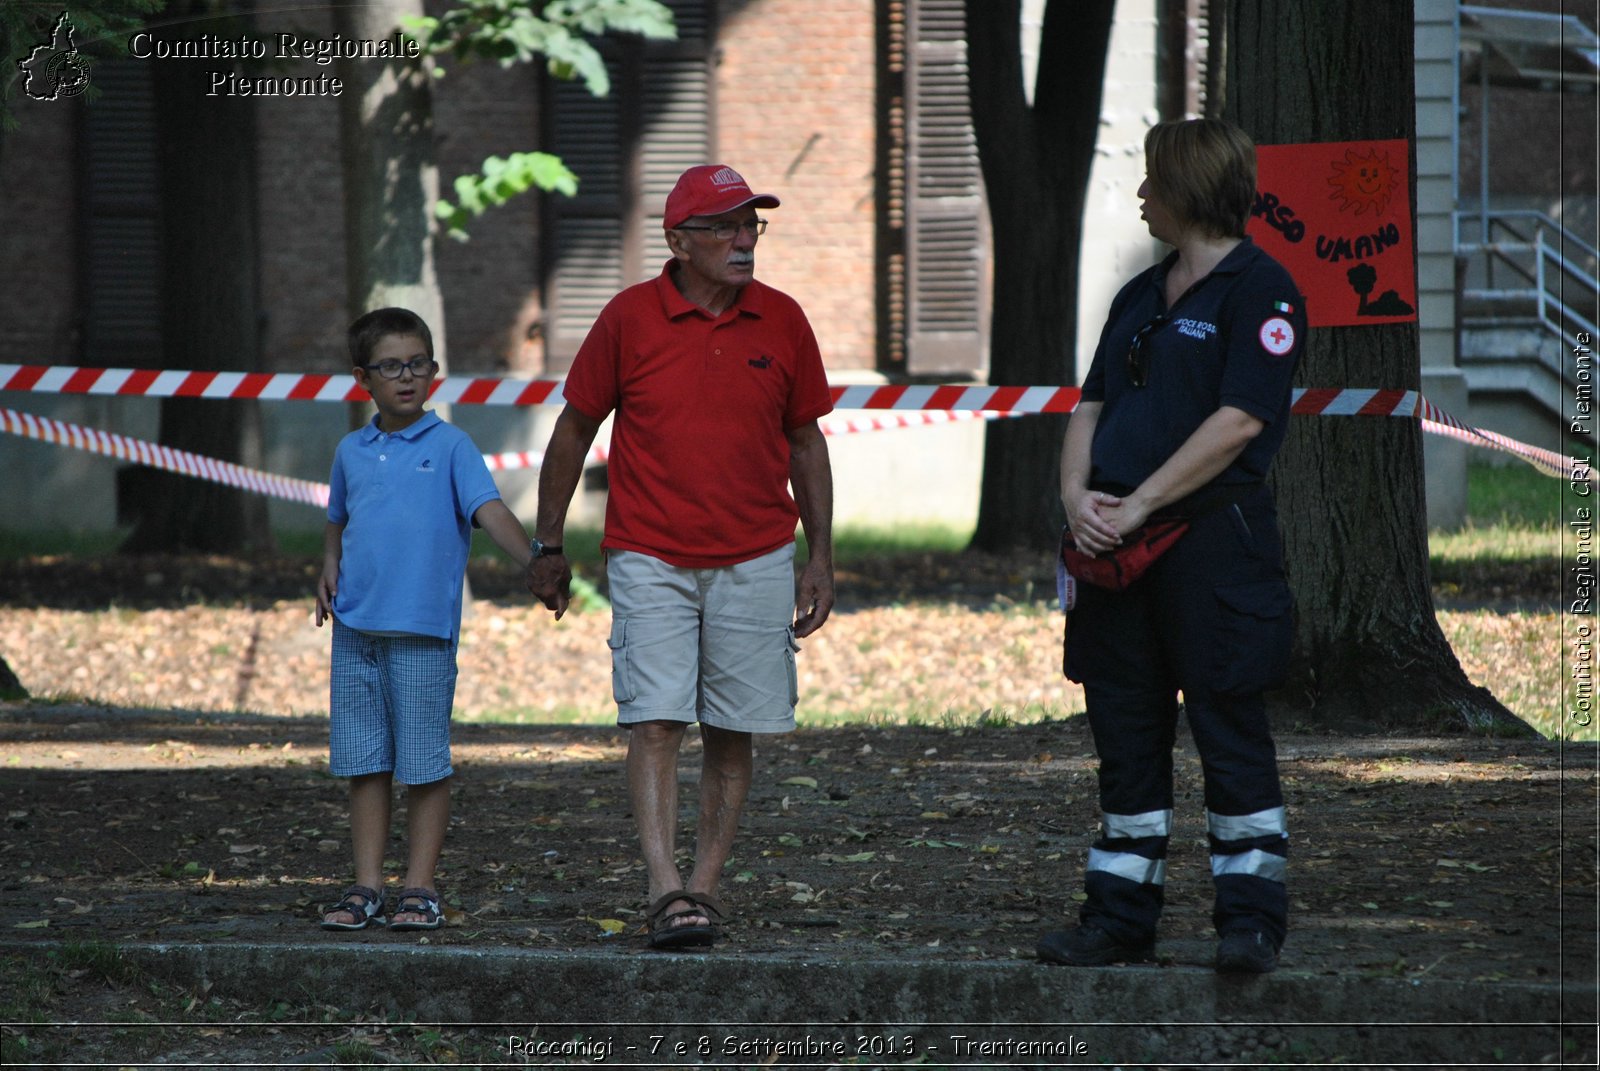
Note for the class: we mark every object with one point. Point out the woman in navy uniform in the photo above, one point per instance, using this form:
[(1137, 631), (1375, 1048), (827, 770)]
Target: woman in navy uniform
[(1183, 409)]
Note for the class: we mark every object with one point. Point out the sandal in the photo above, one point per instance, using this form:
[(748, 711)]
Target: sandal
[(665, 932), (424, 902), (361, 903)]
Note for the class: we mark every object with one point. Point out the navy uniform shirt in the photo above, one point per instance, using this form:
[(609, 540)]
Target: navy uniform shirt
[(1232, 339)]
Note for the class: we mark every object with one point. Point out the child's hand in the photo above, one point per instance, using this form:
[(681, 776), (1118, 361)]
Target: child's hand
[(327, 589)]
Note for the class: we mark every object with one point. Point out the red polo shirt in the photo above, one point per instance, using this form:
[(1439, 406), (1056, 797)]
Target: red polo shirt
[(699, 465)]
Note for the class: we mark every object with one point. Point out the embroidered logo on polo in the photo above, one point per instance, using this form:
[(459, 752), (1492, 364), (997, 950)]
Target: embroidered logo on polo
[(761, 362), (1195, 328), (426, 466), (1277, 336)]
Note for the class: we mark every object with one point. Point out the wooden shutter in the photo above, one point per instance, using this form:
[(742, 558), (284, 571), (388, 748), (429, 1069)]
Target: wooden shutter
[(583, 234), (121, 220), (946, 285), (627, 149)]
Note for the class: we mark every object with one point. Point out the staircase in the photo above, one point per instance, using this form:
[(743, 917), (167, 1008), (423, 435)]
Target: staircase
[(1526, 289)]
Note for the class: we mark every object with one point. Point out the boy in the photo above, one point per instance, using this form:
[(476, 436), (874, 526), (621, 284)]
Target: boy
[(404, 494)]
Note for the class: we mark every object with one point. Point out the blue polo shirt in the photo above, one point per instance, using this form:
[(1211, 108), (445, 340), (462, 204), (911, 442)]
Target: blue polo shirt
[(1232, 339), (406, 500)]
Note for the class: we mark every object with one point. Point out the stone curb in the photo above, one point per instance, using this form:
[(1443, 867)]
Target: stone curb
[(946, 1012)]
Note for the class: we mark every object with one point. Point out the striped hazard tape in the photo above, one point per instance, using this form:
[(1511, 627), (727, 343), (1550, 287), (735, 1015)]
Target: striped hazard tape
[(162, 457), (301, 386), (911, 406)]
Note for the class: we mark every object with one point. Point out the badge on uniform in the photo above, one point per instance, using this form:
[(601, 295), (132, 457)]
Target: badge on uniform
[(1066, 584)]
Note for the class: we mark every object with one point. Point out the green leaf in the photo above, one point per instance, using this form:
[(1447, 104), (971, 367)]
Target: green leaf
[(498, 182)]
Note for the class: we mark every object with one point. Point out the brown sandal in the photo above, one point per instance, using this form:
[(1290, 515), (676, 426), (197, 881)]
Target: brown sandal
[(667, 933)]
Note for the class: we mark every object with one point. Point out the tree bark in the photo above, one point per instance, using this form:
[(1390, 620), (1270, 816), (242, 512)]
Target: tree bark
[(1369, 651), (391, 176), (1036, 161), (210, 308)]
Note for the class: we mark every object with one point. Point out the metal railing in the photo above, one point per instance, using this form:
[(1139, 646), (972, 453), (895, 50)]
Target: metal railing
[(1530, 266)]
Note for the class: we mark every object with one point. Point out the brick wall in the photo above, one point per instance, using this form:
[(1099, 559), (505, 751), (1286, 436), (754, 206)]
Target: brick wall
[(489, 282), (795, 98)]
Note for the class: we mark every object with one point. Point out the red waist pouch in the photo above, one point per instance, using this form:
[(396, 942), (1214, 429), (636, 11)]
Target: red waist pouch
[(1116, 569)]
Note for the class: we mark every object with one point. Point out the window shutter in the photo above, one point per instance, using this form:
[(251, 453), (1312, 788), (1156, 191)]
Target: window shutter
[(121, 265), (583, 233), (946, 245), (627, 150)]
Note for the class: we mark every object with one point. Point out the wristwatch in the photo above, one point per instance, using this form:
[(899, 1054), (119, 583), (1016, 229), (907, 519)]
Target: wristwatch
[(544, 550)]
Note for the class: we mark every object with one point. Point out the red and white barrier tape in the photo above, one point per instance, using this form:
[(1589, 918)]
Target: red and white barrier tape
[(599, 454), (915, 406), (297, 386), (162, 457)]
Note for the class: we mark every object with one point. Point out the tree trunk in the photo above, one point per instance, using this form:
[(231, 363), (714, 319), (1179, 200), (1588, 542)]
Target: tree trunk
[(1036, 161), (391, 178), (210, 308), (1369, 651), (10, 687)]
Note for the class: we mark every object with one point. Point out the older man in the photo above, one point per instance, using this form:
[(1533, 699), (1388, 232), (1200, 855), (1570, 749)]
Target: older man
[(717, 386)]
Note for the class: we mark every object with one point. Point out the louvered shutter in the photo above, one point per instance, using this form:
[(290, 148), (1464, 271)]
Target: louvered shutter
[(946, 285), (583, 239), (627, 149), (121, 264)]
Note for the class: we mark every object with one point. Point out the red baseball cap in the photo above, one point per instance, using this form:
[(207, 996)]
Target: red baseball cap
[(710, 190)]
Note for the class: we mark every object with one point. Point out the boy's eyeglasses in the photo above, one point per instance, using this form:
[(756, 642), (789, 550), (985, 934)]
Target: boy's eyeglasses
[(417, 366), (1138, 360), (724, 232)]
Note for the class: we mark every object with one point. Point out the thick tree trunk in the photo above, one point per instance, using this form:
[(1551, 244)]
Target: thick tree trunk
[(1036, 161), (1369, 650), (10, 686), (391, 177), (211, 313)]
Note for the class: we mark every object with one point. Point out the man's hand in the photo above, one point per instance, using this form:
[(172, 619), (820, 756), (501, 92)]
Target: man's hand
[(813, 598), (550, 581)]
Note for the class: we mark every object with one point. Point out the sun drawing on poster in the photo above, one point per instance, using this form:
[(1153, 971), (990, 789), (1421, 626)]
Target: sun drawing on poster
[(1363, 181)]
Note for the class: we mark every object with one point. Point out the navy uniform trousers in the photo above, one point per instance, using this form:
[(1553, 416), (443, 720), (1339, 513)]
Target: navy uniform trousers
[(1212, 618)]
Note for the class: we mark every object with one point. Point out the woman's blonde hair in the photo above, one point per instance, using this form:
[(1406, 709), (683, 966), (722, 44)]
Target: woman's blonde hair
[(1204, 170)]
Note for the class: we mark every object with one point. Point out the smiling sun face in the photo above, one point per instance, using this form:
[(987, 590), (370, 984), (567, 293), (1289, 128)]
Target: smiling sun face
[(1363, 182)]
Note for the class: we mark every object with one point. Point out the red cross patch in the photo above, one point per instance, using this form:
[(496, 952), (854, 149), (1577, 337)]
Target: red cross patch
[(1277, 336)]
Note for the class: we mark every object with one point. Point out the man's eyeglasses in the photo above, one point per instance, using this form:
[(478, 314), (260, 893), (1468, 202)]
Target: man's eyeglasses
[(724, 232), (417, 366), (1138, 359)]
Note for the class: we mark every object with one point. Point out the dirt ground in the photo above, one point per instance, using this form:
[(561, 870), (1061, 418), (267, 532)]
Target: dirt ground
[(1464, 859)]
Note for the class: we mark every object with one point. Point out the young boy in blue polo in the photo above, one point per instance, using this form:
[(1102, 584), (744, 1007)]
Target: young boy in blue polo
[(405, 492)]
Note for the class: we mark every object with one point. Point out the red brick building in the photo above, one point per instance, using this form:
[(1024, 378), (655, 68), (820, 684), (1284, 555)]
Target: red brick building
[(808, 98)]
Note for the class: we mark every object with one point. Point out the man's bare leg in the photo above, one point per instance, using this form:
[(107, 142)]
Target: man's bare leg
[(652, 766), (724, 785)]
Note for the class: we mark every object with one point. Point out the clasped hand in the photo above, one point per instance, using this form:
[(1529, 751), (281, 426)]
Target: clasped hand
[(1099, 521)]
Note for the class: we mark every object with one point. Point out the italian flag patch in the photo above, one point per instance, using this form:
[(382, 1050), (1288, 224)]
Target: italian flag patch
[(1283, 307)]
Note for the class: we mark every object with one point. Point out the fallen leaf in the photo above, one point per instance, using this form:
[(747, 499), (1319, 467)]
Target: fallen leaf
[(37, 924), (803, 782)]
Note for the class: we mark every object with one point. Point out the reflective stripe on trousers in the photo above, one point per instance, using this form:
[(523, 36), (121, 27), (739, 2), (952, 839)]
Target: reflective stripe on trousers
[(1248, 831)]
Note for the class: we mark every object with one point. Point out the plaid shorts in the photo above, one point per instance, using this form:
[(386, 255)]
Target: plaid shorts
[(389, 705)]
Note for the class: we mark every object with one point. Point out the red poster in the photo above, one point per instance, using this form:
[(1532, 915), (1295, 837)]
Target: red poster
[(1337, 214)]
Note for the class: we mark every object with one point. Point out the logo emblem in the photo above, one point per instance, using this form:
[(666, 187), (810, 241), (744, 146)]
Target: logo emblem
[(760, 362), (1277, 336), (55, 69)]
